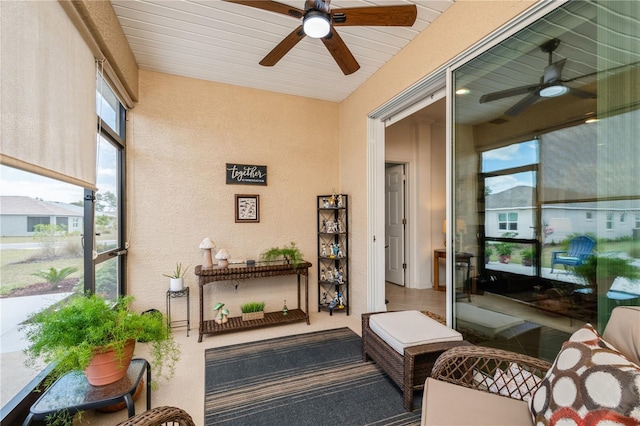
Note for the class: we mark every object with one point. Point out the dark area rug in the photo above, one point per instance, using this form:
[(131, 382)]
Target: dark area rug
[(308, 379)]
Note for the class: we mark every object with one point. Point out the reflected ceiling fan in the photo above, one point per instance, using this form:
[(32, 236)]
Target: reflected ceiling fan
[(318, 21), (551, 85)]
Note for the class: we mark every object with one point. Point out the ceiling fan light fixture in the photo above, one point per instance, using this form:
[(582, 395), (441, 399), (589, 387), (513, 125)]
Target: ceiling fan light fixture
[(553, 91), (316, 24)]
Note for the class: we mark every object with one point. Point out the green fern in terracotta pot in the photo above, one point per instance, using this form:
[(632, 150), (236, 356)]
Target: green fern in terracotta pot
[(69, 334)]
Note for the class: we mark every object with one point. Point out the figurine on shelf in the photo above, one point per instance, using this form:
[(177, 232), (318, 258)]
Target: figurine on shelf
[(285, 310), (340, 253), (332, 200), (333, 303), (324, 301), (329, 274), (339, 275), (340, 205), (223, 313), (340, 301), (324, 226), (340, 227), (325, 203), (323, 277), (335, 247), (323, 250), (330, 227)]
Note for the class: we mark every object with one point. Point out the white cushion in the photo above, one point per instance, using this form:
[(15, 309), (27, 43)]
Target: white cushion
[(485, 321), (410, 328)]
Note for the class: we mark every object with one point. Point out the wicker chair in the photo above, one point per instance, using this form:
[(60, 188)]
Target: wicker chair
[(160, 416), (490, 370)]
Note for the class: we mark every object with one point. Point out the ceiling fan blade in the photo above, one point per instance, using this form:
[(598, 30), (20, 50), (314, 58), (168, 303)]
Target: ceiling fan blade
[(283, 47), (271, 6), (553, 72), (525, 103), (340, 53), (508, 93), (397, 16)]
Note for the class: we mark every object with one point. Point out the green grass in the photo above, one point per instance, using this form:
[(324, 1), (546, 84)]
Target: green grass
[(18, 275)]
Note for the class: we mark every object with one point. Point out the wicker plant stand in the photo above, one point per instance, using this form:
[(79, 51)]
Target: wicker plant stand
[(233, 273), (408, 371)]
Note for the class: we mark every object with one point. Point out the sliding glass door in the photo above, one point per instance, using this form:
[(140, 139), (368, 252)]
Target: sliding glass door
[(545, 131)]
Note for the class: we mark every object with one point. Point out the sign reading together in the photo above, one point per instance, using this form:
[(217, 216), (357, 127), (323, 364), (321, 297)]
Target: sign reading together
[(246, 174)]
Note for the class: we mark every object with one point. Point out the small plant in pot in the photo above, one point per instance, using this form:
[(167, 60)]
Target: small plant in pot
[(488, 251), (176, 282), (527, 256), (504, 251), (252, 311), (291, 254), (72, 334)]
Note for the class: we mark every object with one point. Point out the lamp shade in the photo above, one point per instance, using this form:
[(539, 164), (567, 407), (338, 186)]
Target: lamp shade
[(316, 24)]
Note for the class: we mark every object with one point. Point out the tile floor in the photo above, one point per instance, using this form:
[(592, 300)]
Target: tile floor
[(186, 390)]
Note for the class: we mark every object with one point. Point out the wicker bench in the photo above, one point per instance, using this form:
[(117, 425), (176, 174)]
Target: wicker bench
[(408, 371)]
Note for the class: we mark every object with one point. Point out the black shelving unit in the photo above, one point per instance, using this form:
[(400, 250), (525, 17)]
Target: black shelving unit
[(333, 253)]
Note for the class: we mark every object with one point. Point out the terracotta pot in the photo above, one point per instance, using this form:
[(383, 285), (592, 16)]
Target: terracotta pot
[(504, 258), (106, 367)]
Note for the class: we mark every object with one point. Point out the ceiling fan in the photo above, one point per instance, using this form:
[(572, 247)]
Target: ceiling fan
[(318, 21), (551, 85)]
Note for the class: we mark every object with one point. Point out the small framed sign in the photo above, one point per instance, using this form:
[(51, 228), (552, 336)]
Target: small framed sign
[(247, 208), (246, 174)]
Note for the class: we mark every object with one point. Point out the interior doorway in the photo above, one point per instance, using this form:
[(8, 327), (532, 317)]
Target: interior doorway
[(414, 201), (395, 223)]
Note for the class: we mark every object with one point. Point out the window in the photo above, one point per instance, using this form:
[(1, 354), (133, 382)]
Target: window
[(589, 216), (508, 221), (33, 221), (609, 222), (637, 220), (108, 211), (27, 258), (623, 217)]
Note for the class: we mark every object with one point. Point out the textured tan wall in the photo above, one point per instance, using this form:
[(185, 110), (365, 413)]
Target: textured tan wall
[(462, 25), (183, 131), (181, 134)]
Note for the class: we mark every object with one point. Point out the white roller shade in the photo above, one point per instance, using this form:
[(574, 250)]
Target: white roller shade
[(47, 93), (591, 161)]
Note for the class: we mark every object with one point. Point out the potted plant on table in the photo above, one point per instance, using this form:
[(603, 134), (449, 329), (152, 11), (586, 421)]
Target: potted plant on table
[(290, 254), (252, 311), (73, 335), (176, 282)]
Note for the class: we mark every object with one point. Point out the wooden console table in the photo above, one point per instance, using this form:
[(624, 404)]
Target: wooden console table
[(244, 272), (442, 254)]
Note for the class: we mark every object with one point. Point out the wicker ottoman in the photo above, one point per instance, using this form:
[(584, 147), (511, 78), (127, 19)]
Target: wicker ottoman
[(409, 369)]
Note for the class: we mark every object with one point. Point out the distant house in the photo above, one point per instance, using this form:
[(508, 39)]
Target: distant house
[(513, 210), (19, 215)]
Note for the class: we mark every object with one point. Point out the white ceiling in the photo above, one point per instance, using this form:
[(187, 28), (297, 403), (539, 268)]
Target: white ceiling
[(223, 42)]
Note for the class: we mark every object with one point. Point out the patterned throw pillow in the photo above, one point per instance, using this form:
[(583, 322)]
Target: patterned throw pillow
[(589, 383)]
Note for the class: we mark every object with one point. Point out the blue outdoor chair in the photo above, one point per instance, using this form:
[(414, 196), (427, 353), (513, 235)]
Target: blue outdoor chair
[(579, 250)]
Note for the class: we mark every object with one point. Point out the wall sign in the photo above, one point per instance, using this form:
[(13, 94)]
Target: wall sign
[(246, 174)]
